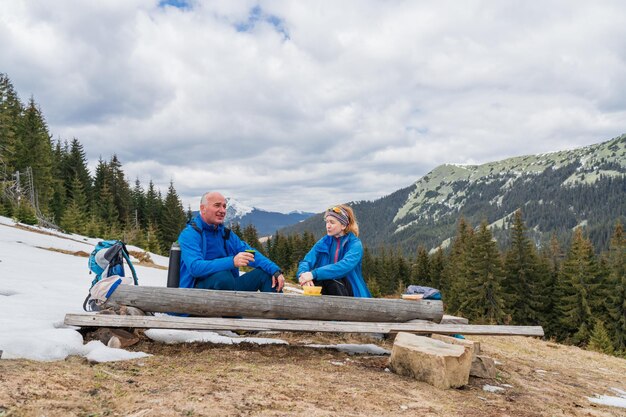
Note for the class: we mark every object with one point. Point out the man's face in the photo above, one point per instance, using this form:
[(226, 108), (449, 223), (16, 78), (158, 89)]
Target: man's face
[(214, 211)]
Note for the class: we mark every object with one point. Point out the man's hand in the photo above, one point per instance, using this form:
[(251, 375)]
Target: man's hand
[(280, 281), (243, 259)]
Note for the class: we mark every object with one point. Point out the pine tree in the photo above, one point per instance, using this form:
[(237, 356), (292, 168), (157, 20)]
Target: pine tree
[(94, 227), (578, 286), (300, 248), (25, 213), (600, 340), (369, 273), (138, 238), (10, 112), (484, 300), (58, 200), (251, 237), (236, 229), (173, 219), (120, 191), (74, 218), (153, 205), (550, 313), (138, 206), (282, 252), (74, 167), (436, 267), (35, 150), (454, 278), (522, 276), (616, 300), (400, 270), (421, 269), (384, 273), (153, 244), (105, 207)]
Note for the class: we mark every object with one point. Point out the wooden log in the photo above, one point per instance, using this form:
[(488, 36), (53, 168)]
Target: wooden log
[(213, 323), (210, 303)]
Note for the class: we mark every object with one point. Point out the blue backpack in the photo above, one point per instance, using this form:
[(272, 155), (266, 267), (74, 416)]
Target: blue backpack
[(107, 259)]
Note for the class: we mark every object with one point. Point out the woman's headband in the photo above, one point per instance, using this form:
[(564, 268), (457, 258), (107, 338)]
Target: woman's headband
[(339, 214)]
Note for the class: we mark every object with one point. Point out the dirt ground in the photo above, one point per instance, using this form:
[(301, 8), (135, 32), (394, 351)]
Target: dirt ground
[(540, 379)]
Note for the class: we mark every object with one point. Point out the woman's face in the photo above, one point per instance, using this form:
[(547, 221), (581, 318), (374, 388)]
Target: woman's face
[(333, 227)]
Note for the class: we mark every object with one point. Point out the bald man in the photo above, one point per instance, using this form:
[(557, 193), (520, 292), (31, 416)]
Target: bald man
[(211, 254)]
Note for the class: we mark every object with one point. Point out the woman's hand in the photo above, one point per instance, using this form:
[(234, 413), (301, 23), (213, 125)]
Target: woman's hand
[(305, 279)]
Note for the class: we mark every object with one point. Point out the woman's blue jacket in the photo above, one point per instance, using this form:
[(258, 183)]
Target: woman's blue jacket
[(320, 262), (209, 249)]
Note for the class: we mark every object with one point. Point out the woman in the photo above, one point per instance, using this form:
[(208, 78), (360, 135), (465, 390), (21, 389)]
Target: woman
[(334, 262)]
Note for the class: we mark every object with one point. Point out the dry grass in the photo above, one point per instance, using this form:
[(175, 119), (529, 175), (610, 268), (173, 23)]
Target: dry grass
[(547, 379)]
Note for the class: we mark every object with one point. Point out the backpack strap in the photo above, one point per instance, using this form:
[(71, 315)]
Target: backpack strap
[(225, 236), (130, 264)]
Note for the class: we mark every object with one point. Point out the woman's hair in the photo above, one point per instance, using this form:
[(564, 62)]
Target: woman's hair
[(352, 225)]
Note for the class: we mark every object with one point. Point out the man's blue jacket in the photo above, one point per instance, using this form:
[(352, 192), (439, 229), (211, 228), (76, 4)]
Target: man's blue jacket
[(207, 252), (349, 251)]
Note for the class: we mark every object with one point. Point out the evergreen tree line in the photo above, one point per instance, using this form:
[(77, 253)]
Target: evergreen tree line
[(576, 295), (103, 205)]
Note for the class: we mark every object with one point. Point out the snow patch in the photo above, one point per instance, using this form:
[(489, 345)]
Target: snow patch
[(191, 336), (619, 401), (352, 349), (492, 388)]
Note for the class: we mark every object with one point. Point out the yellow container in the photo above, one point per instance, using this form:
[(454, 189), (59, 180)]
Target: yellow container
[(310, 290)]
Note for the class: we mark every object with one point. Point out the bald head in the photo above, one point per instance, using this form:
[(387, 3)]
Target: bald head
[(213, 208), (210, 195)]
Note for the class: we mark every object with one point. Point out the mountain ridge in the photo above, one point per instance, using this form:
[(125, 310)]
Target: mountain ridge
[(557, 192)]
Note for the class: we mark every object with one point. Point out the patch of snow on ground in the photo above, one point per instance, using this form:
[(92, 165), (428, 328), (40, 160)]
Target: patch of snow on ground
[(619, 401), (190, 336), (352, 349), (491, 388)]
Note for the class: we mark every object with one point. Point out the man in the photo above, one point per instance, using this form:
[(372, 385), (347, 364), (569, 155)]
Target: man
[(211, 255)]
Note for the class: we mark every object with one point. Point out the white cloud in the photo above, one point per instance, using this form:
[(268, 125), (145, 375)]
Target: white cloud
[(292, 105)]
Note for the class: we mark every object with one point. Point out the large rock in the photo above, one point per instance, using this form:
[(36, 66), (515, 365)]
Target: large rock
[(473, 346), (483, 367), (440, 364)]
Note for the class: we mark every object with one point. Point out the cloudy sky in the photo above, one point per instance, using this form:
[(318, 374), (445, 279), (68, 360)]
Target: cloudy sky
[(296, 105)]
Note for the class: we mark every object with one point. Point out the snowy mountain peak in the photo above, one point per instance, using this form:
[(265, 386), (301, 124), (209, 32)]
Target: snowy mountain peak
[(235, 209)]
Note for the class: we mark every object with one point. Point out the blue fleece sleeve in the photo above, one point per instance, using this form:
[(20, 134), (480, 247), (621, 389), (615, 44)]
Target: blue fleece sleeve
[(347, 263), (260, 260), (190, 243)]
